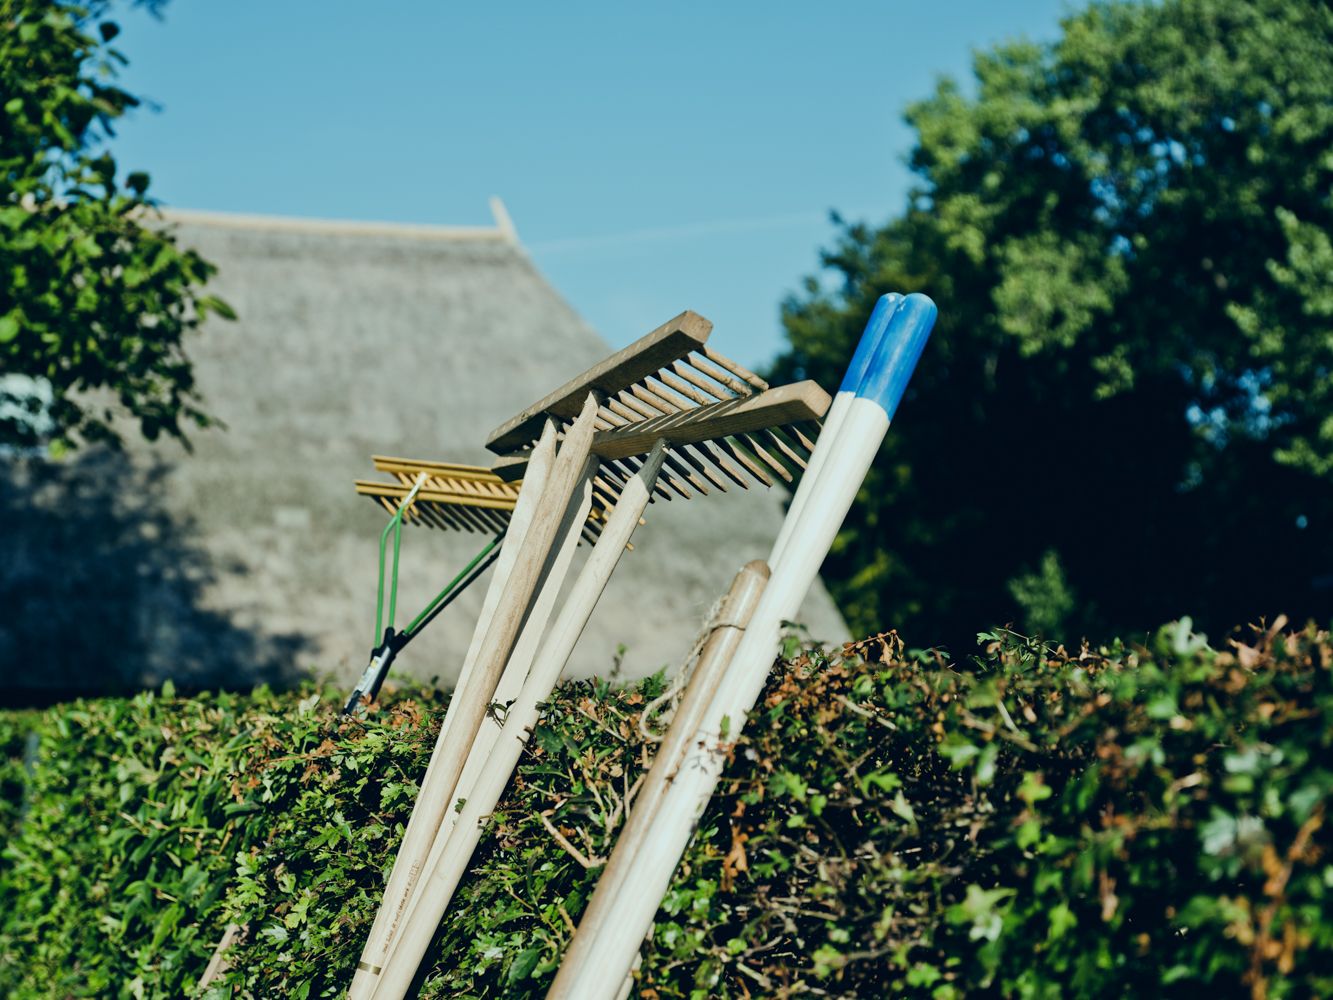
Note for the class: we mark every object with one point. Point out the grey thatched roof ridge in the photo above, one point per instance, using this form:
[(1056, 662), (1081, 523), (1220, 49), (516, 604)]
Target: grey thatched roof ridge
[(335, 227)]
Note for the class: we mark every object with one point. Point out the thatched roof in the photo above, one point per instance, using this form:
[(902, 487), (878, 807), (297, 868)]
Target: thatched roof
[(359, 339)]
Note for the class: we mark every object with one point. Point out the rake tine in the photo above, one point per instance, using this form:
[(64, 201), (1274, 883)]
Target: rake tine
[(629, 404), (758, 451), (713, 455), (738, 370), (494, 520), (705, 468), (719, 375), (470, 515), (697, 380), (783, 446), (655, 400), (751, 466), (431, 518), (807, 443), (787, 433), (683, 388), (603, 495), (615, 409), (621, 469), (681, 468), (643, 409)]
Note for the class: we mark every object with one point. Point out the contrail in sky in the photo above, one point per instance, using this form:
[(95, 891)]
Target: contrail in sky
[(652, 234)]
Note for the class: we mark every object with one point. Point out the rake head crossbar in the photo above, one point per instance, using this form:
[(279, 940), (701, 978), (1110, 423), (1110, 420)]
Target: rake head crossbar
[(723, 423), (453, 497), (669, 342)]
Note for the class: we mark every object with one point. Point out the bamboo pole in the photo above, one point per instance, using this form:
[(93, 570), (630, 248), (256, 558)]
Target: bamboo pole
[(470, 704), (725, 632), (438, 885), (866, 421)]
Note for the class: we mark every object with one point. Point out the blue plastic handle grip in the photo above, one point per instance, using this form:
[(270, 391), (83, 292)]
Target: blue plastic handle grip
[(899, 350), (870, 338)]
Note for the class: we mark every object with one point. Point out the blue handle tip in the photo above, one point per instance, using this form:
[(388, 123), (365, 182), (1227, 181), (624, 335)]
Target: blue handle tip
[(899, 349), (871, 336)]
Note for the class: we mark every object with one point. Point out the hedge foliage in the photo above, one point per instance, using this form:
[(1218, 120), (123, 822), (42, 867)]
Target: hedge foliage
[(1033, 823)]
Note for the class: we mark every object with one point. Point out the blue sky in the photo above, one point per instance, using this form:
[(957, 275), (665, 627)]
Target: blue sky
[(653, 158)]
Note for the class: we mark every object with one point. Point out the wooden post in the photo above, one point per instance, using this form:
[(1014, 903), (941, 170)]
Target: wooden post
[(470, 704), (727, 627), (438, 885)]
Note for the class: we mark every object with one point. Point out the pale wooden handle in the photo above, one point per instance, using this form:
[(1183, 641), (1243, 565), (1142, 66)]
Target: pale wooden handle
[(728, 626), (438, 885)]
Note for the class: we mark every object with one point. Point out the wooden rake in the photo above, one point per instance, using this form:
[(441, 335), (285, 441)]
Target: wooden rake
[(453, 497), (723, 423), (665, 418), (442, 495)]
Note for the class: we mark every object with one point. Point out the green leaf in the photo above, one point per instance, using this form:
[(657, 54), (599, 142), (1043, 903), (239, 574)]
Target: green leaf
[(1062, 920), (524, 964)]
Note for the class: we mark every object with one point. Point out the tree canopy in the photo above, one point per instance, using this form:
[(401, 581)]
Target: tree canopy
[(1124, 414), (95, 300)]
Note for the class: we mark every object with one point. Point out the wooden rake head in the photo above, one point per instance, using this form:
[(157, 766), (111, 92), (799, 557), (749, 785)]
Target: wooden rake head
[(721, 422), (453, 497)]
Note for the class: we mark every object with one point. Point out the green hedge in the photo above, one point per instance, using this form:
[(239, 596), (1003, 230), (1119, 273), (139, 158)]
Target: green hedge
[(1109, 823)]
